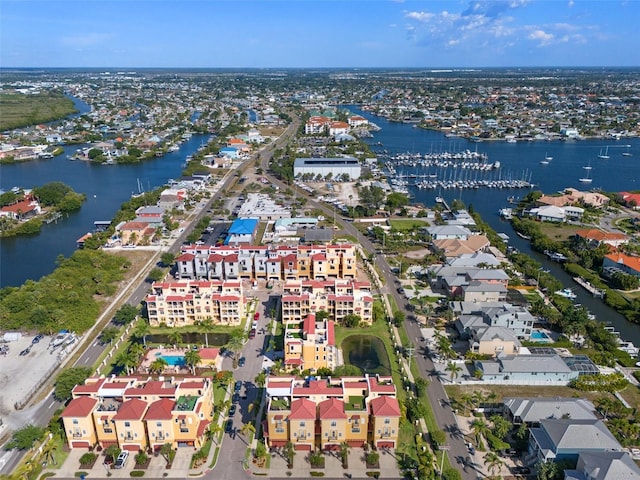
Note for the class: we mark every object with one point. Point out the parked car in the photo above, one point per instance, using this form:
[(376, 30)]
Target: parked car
[(252, 333), (237, 386), (232, 410), (37, 338), (121, 460), (228, 427), (242, 361), (521, 470), (26, 351), (256, 316), (471, 448)]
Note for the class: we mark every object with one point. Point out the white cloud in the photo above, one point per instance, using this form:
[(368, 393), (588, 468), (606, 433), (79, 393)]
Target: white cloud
[(420, 16), (571, 3), (87, 40), (543, 38)]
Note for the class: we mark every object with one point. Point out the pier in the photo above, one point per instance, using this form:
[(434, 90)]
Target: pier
[(596, 292)]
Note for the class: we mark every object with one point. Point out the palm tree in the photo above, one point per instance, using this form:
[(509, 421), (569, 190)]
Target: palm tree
[(344, 454), (213, 431), (247, 428), (261, 379), (137, 350), (466, 401), (109, 334), (26, 469), (142, 330), (493, 462), (127, 360), (192, 359), (49, 452), (235, 345), (175, 338), (454, 370), (480, 428), (158, 365), (289, 453)]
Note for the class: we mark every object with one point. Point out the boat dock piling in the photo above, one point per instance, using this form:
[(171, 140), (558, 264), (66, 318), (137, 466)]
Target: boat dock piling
[(596, 292)]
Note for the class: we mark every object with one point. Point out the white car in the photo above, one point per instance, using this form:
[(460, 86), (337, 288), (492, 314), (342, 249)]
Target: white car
[(122, 459)]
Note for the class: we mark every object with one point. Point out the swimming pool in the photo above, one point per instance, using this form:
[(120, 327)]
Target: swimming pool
[(174, 360), (540, 336)]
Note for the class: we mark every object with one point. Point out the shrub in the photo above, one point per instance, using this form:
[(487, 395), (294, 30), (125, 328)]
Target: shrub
[(137, 473), (88, 459), (317, 474)]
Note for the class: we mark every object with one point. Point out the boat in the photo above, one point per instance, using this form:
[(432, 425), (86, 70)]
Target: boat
[(605, 155), (627, 153), (566, 293), (140, 191), (60, 338), (587, 178), (506, 213), (548, 157)]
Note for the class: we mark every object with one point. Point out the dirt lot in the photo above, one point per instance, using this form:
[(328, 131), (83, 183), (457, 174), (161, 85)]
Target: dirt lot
[(341, 190)]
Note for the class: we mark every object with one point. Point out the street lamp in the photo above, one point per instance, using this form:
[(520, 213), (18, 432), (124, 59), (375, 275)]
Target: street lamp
[(443, 448)]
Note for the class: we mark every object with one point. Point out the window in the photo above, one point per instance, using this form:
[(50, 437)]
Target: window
[(75, 422), (158, 424), (303, 424), (387, 421), (333, 423), (127, 424)]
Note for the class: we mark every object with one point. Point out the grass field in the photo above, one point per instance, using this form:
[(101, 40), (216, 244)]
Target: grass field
[(558, 231), (23, 110), (407, 225)]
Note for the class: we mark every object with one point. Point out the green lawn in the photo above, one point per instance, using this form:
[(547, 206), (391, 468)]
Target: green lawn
[(559, 231), (407, 225)]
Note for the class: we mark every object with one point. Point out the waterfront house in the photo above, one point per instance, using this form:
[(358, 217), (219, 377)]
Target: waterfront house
[(454, 247), (595, 237), (565, 439), (24, 209), (135, 233), (311, 347), (449, 232), (622, 262), (496, 314), (488, 340), (532, 410), (631, 200)]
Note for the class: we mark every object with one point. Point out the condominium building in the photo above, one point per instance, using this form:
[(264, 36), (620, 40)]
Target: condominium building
[(180, 303), (323, 413), (137, 413), (337, 297), (316, 262), (310, 344)]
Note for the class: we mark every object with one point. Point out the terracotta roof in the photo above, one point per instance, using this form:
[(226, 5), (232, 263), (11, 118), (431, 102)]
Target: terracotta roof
[(631, 262), (202, 426), (302, 409), (209, 353), (131, 410), (79, 407), (599, 235), (385, 406), (91, 387), (160, 410), (134, 226), (317, 387), (331, 408), (185, 257), (331, 334), (309, 325)]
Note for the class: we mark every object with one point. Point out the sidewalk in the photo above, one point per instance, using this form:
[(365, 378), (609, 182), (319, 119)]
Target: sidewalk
[(357, 468)]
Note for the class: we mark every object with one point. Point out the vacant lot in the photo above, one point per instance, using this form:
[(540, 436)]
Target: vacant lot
[(23, 110), (559, 231), (407, 225)]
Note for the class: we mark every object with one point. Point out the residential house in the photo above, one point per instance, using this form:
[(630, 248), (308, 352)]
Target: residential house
[(449, 232), (78, 422), (595, 237), (622, 262), (565, 439), (604, 466), (535, 369), (135, 233), (454, 247), (497, 314), (532, 410), (488, 340), (23, 209)]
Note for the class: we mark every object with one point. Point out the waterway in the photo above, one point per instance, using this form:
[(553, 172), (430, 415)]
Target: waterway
[(106, 186), (517, 160)]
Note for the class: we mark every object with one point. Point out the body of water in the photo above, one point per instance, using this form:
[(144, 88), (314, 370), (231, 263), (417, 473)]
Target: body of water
[(107, 187), (518, 160)]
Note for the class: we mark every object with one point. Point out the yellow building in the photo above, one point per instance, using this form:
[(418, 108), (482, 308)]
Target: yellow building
[(137, 413), (337, 297), (181, 303), (310, 345), (327, 412)]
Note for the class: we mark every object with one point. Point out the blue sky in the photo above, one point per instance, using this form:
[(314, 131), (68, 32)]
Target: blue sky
[(329, 33)]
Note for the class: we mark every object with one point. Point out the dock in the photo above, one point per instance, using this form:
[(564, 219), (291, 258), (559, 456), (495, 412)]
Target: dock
[(596, 292)]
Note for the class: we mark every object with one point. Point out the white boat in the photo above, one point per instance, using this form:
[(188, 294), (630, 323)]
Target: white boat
[(566, 293), (587, 178), (605, 155), (60, 338), (548, 157), (506, 213)]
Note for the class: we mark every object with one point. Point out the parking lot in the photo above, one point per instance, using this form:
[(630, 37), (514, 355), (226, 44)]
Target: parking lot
[(19, 374)]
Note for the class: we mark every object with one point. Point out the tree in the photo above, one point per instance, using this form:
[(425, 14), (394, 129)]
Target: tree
[(49, 452), (158, 365), (125, 314), (247, 428), (166, 450), (501, 426), (111, 453), (68, 379), (141, 331), (126, 359), (25, 438), (167, 259), (109, 334), (261, 379), (289, 453), (236, 342), (454, 370), (155, 275), (344, 454), (192, 359), (480, 428), (493, 462), (175, 338), (351, 320)]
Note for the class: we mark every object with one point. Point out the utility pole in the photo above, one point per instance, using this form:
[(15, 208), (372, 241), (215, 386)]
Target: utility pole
[(443, 448)]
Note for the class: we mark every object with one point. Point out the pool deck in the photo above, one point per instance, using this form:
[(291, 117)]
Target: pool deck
[(154, 353)]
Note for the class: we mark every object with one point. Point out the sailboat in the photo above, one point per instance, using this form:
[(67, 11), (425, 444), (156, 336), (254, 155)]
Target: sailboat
[(547, 158), (587, 178), (140, 190), (604, 156), (627, 153)]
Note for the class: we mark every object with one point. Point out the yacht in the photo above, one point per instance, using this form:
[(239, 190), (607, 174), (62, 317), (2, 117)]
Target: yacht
[(587, 178)]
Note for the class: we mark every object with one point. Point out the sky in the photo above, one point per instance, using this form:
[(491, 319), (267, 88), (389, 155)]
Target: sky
[(328, 33)]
